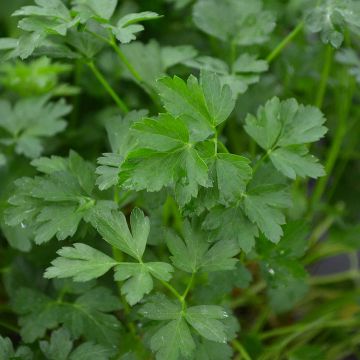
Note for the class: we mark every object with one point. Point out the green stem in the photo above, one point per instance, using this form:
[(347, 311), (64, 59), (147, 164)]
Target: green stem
[(261, 160), (222, 147), (298, 329), (285, 42), (240, 348), (135, 74), (233, 54), (334, 151), (10, 327), (122, 106), (126, 62), (321, 229), (249, 294), (173, 291), (350, 275), (354, 266), (319, 101), (184, 295)]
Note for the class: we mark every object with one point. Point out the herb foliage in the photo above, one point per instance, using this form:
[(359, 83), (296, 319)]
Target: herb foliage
[(168, 180)]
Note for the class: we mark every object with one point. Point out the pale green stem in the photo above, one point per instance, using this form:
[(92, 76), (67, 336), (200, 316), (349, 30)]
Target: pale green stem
[(122, 106), (285, 42), (324, 77), (240, 348)]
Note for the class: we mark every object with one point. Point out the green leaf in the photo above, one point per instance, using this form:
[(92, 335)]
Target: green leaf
[(172, 341), (121, 142), (263, 205), (128, 26), (29, 122), (87, 316), (48, 17), (159, 307), (283, 128), (285, 275), (195, 253), (7, 351), (205, 319), (89, 8), (209, 350), (8, 43), (54, 204), (332, 18), (113, 227), (49, 165), (233, 174), (91, 351), (151, 61), (139, 281), (174, 338), (246, 23), (80, 262), (204, 105), (244, 72), (350, 58), (59, 346), (220, 283), (165, 145), (231, 224)]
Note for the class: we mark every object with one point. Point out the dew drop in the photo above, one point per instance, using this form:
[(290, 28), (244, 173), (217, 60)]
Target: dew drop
[(225, 314), (23, 226), (271, 271)]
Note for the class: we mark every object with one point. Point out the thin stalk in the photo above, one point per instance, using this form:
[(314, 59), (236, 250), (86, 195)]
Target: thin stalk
[(173, 291), (321, 229), (240, 348), (329, 54), (135, 74), (275, 53), (249, 294), (350, 275), (76, 99), (188, 288), (261, 160), (298, 329), (334, 150), (233, 54), (354, 266), (126, 62), (122, 106), (8, 326)]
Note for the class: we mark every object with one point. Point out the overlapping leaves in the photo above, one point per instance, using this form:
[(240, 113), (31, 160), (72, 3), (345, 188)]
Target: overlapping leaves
[(244, 71), (246, 22), (55, 203), (26, 124), (87, 316), (174, 338), (83, 263), (178, 142), (283, 129), (47, 23), (331, 18)]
